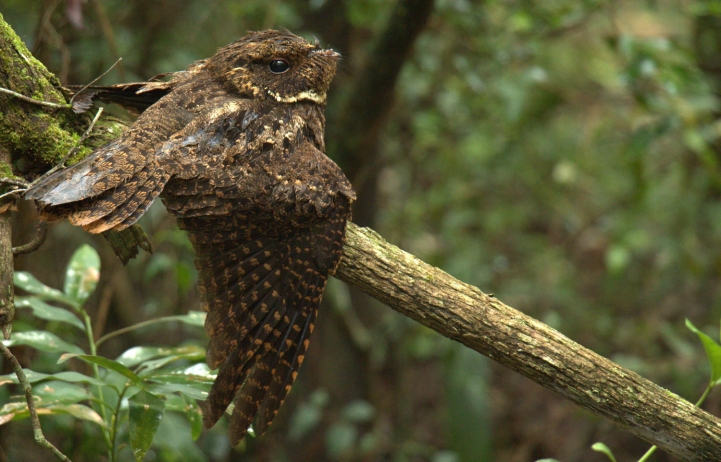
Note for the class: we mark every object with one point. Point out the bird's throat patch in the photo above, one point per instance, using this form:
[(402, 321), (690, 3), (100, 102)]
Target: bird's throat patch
[(308, 95)]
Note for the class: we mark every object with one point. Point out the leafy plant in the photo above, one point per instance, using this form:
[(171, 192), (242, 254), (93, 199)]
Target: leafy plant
[(136, 388)]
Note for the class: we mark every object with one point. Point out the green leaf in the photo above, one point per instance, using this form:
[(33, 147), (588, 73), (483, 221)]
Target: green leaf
[(172, 442), (190, 408), (197, 373), (82, 274), (106, 363), (146, 410), (340, 438), (43, 341), (194, 381), (618, 257), (138, 355), (193, 318), (56, 392), (444, 456), (29, 283), (713, 352), (48, 312), (34, 377), (79, 411), (11, 411), (148, 367), (19, 411), (603, 449), (308, 415), (195, 418), (193, 390)]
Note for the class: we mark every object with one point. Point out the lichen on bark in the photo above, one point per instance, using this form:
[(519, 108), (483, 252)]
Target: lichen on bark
[(38, 137)]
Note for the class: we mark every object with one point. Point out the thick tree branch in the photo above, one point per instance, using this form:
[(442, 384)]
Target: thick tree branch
[(481, 322)]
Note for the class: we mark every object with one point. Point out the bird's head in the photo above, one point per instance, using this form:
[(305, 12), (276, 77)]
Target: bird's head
[(275, 65)]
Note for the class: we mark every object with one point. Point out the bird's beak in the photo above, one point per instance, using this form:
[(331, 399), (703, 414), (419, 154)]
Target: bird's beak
[(328, 54)]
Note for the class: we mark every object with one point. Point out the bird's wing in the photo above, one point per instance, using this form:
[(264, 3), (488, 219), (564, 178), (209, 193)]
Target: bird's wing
[(261, 275), (114, 186), (110, 188), (135, 96)]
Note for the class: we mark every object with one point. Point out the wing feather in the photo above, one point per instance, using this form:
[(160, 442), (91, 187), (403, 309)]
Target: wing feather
[(285, 373), (262, 296)]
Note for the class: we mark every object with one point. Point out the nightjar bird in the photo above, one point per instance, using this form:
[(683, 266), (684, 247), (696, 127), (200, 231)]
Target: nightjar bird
[(234, 148)]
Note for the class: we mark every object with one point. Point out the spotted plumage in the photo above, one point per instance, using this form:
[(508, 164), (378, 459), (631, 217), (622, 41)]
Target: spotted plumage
[(234, 148)]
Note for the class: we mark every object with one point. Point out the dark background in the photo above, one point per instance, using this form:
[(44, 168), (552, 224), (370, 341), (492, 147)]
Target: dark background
[(562, 155)]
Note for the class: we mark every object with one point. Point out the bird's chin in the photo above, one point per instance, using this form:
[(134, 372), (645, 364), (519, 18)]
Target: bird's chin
[(307, 95)]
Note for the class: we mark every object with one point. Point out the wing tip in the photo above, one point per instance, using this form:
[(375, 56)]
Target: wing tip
[(211, 414)]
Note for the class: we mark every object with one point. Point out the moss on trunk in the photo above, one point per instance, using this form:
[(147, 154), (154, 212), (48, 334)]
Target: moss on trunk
[(38, 137), (34, 138)]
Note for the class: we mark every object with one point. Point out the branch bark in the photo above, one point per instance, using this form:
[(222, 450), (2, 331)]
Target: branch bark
[(481, 322)]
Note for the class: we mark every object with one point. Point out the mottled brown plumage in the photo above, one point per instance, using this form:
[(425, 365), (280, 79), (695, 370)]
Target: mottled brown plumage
[(234, 147)]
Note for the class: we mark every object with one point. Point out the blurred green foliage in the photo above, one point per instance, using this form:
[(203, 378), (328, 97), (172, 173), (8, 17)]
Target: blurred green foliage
[(118, 394), (562, 155)]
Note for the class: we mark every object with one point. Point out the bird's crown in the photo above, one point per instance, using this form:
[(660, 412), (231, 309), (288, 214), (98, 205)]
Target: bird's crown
[(277, 65)]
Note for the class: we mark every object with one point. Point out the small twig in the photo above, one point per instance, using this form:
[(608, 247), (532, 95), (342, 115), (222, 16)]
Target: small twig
[(22, 55), (37, 429), (35, 101), (35, 244), (15, 182), (94, 80), (125, 330), (73, 150), (12, 193)]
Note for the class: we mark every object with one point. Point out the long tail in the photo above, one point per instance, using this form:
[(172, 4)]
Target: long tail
[(110, 189)]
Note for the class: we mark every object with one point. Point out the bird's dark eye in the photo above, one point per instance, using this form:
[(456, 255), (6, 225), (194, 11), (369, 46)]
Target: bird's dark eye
[(278, 66)]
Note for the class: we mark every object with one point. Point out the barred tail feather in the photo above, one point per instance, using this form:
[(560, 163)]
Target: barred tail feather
[(110, 189), (117, 207), (124, 206), (104, 169), (145, 205)]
